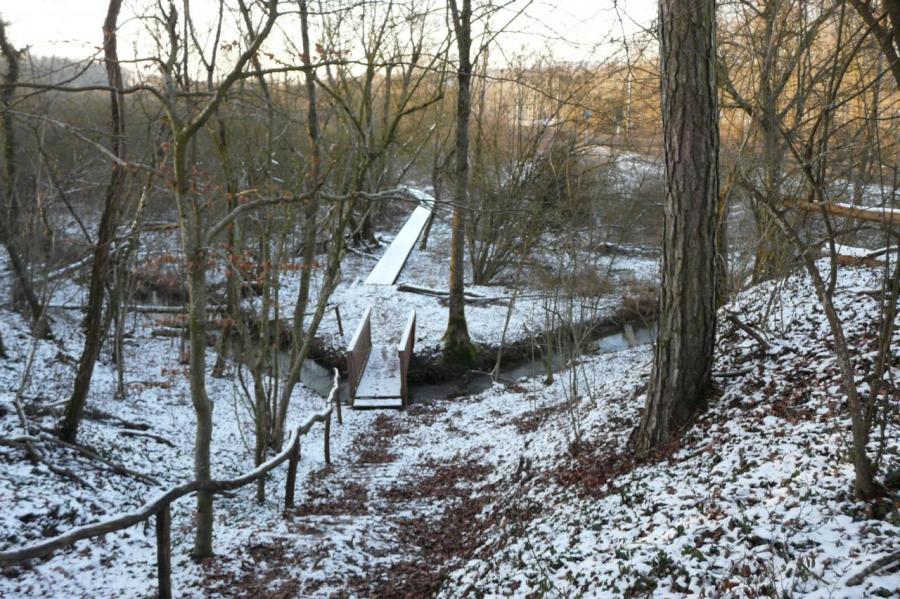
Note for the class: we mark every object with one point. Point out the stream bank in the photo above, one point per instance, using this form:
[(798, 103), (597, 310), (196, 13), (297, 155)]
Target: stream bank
[(430, 378)]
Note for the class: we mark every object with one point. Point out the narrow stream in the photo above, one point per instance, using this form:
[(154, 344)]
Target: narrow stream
[(319, 378), (476, 382)]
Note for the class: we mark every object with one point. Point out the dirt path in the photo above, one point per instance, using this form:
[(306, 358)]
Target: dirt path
[(375, 523)]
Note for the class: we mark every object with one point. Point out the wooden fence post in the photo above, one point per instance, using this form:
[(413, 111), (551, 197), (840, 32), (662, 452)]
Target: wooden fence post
[(328, 439), (292, 475), (164, 551), (337, 313), (337, 406)]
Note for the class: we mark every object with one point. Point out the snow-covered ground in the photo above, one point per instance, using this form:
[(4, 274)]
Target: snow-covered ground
[(756, 500), (487, 495), (39, 503)]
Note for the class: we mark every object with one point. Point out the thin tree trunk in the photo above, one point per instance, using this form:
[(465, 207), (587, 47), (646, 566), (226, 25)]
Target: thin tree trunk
[(11, 56), (458, 348), (233, 279), (682, 370), (309, 235), (93, 324), (203, 407)]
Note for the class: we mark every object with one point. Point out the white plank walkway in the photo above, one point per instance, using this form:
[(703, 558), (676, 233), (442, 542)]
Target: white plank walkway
[(388, 268), (381, 402), (380, 383)]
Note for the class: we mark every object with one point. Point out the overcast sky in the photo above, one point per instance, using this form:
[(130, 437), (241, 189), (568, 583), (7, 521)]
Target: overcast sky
[(71, 28)]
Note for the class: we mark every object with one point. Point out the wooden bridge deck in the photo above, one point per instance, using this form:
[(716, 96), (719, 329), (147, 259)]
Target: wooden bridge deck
[(380, 385), (378, 373), (391, 263)]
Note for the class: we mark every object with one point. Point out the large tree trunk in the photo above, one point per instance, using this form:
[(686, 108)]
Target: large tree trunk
[(682, 370), (93, 323), (458, 347)]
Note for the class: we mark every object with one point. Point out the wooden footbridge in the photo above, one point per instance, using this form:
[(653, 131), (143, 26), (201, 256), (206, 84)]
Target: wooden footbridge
[(377, 374)]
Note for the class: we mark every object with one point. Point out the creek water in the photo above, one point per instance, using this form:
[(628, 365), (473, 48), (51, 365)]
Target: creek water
[(475, 382), (319, 379)]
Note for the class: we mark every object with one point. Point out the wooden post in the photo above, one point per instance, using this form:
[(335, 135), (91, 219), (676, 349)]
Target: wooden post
[(292, 475), (328, 439), (337, 313), (337, 402), (164, 552)]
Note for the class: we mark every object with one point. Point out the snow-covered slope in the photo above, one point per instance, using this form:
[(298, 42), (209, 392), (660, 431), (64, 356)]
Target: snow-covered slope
[(755, 501), (523, 490)]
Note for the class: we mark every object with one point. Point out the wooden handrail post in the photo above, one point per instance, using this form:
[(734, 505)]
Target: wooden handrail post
[(164, 551), (292, 475), (337, 397), (337, 314), (328, 439), (404, 355)]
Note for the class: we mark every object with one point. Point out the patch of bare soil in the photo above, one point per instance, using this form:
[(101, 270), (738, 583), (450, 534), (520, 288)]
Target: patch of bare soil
[(353, 499), (443, 540), (593, 466), (223, 578), (443, 483), (530, 422), (374, 446)]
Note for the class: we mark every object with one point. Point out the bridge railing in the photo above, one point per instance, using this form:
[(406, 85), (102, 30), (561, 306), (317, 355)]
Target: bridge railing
[(160, 506), (358, 352), (404, 353)]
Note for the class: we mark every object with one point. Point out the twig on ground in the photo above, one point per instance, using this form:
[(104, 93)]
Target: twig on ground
[(749, 330), (872, 568), (34, 454), (154, 436), (93, 455), (733, 373)]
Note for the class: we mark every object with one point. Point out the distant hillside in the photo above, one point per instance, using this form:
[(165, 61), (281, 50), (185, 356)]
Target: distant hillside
[(55, 70)]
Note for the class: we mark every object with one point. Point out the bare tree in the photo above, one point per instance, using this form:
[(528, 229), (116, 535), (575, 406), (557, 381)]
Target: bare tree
[(93, 323), (682, 371), (458, 348), (196, 234), (9, 222)]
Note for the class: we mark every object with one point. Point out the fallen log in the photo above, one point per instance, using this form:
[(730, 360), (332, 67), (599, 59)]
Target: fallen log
[(886, 216), (435, 292), (142, 308), (469, 295), (872, 568), (169, 332), (853, 256)]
